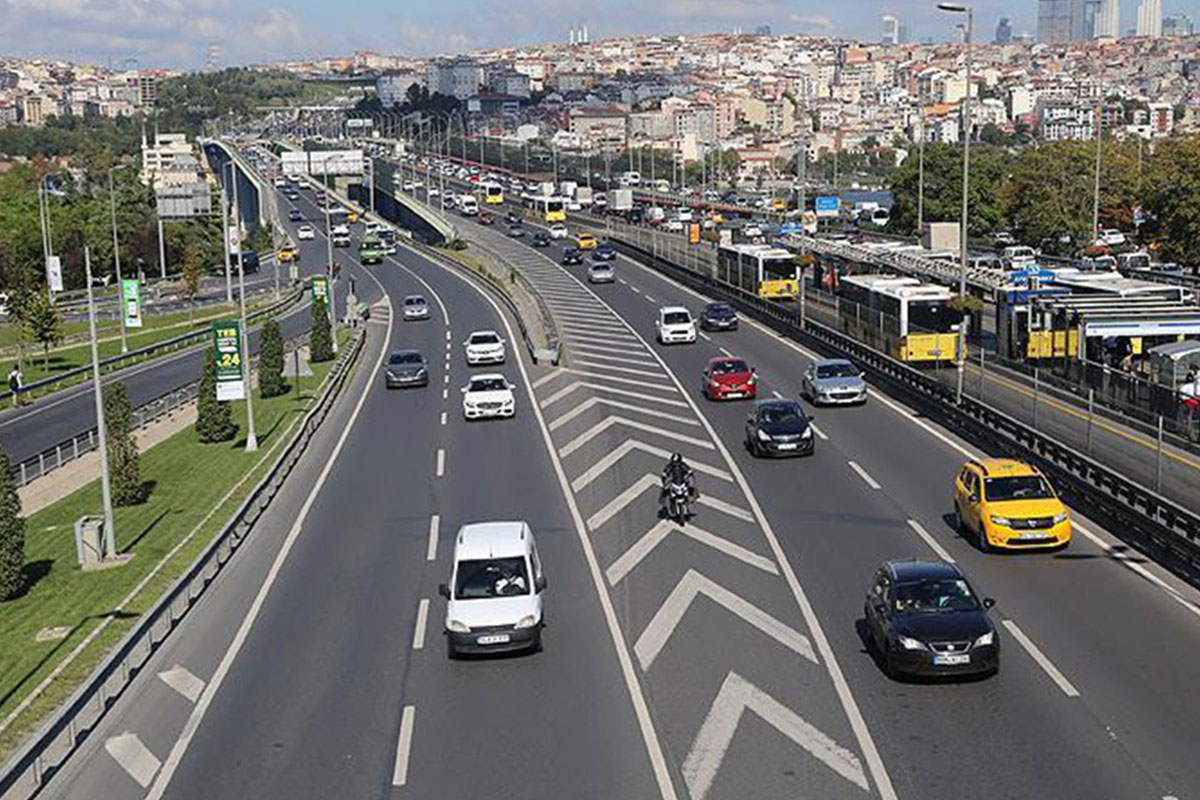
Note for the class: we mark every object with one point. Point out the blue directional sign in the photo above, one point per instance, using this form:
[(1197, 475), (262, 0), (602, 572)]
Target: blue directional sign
[(827, 206)]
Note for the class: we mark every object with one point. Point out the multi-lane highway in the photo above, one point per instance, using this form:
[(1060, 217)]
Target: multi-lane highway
[(716, 660)]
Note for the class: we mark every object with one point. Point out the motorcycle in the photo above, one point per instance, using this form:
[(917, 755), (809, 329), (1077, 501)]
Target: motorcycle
[(678, 501)]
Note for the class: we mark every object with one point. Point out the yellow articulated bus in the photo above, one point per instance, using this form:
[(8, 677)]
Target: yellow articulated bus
[(493, 193), (551, 209), (910, 321), (768, 272)]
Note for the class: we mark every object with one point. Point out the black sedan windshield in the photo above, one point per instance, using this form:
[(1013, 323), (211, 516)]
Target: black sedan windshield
[(719, 311), (952, 594)]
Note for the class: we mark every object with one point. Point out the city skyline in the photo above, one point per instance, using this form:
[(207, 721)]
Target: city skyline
[(147, 32)]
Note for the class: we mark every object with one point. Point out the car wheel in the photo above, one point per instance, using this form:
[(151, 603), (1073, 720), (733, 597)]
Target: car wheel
[(982, 541), (958, 520)]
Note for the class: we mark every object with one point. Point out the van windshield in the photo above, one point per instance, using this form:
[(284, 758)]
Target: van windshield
[(493, 577)]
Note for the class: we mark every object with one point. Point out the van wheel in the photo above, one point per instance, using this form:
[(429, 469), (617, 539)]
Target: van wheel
[(451, 652), (537, 643)]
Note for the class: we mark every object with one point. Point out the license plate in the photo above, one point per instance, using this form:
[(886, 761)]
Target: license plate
[(1035, 535), (788, 446), (951, 660), (495, 638), (733, 395)]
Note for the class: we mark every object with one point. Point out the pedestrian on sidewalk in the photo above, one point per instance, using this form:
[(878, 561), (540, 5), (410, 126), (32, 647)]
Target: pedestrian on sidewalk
[(16, 381)]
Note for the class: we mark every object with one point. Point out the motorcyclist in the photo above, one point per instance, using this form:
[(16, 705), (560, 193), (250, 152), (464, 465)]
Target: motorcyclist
[(677, 471)]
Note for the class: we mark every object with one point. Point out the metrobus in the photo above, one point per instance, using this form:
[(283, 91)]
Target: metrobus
[(760, 269), (552, 209), (909, 320), (493, 193)]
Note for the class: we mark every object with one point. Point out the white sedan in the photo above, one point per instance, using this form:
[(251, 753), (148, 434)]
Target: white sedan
[(488, 395), (306, 232), (484, 347), (558, 231)]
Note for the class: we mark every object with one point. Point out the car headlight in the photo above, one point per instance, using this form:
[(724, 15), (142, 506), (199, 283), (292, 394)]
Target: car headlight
[(527, 621), (910, 644), (422, 372), (807, 434), (1061, 517), (987, 640), (763, 436), (998, 520), (457, 626)]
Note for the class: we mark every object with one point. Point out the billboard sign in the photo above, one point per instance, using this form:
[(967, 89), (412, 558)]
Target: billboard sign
[(320, 288), (54, 273), (827, 206), (321, 162), (131, 302), (231, 383)]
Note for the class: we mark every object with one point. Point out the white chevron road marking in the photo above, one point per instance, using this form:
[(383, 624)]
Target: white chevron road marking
[(608, 422), (714, 737), (600, 387), (183, 681), (592, 402), (628, 446), (668, 616), (629, 560), (133, 757)]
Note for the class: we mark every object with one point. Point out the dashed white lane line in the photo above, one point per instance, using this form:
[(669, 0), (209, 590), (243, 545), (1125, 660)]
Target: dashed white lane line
[(650, 299), (404, 746), (435, 524), (705, 336), (441, 462), (443, 417), (422, 620), (635, 289), (929, 540), (445, 394), (183, 681), (133, 757), (621, 280), (445, 379), (725, 352), (776, 394), (862, 473), (1047, 666), (447, 334)]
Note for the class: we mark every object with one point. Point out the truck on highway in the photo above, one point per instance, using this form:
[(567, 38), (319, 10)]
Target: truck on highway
[(584, 197), (468, 205), (567, 188), (940, 236), (620, 200)]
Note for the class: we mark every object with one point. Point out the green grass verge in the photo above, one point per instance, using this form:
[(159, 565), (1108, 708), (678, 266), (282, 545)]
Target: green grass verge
[(190, 480)]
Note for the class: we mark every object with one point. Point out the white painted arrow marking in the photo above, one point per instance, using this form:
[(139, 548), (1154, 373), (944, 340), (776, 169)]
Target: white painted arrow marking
[(183, 681), (628, 446), (591, 402), (600, 387), (608, 422), (665, 620), (133, 757), (715, 735), (628, 560)]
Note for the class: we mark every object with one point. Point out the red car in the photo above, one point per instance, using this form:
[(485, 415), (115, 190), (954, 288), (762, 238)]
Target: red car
[(729, 379)]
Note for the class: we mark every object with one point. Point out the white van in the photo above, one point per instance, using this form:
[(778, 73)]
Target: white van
[(468, 205), (494, 598)]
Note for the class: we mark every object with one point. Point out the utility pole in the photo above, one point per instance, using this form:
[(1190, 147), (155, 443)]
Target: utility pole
[(329, 247), (112, 209), (225, 237), (921, 177), (251, 436), (1096, 183), (162, 246), (110, 533)]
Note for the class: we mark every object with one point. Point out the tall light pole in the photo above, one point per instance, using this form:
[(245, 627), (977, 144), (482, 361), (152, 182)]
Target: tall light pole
[(955, 8), (251, 438), (112, 209), (329, 247), (921, 176), (1096, 186), (110, 534), (225, 233)]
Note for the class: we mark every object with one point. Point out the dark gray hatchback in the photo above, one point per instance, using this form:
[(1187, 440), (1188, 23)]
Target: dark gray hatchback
[(406, 368)]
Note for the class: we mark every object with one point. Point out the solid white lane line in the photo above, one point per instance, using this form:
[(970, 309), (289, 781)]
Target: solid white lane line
[(243, 632), (441, 462), (422, 620), (820, 433), (133, 757), (404, 746), (435, 524), (1065, 685), (443, 417), (183, 681), (929, 540), (862, 473)]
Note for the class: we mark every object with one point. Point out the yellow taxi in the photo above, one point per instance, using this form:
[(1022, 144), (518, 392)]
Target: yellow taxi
[(1010, 505), (587, 241), (351, 216), (288, 254)]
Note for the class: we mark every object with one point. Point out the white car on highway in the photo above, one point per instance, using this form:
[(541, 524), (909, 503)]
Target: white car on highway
[(415, 307), (674, 324), (306, 232), (1111, 237), (558, 231), (484, 347), (489, 395)]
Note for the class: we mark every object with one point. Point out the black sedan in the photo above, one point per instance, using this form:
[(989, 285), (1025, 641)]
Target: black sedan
[(294, 215), (924, 619), (778, 428), (540, 239), (516, 231), (718, 317), (512, 218), (406, 368), (572, 256), (604, 252)]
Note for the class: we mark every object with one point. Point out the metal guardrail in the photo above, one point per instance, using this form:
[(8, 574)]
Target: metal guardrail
[(1138, 513), (28, 772), (133, 356), (151, 411)]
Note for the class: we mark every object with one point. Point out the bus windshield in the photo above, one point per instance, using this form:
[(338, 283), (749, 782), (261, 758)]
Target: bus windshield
[(932, 316)]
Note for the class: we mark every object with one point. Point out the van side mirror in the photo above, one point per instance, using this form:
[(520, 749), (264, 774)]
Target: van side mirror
[(444, 590), (988, 602), (540, 583)]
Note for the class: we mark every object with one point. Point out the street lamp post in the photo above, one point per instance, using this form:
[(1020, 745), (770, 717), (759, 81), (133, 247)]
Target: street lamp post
[(1096, 182), (251, 438), (955, 8), (110, 534), (112, 209), (921, 176)]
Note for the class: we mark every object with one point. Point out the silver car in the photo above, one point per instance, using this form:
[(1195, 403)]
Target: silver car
[(406, 368), (415, 307), (600, 273), (833, 381)]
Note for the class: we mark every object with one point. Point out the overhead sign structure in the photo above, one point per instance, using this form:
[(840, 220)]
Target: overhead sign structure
[(231, 383), (827, 206), (54, 273), (321, 162), (131, 302), (320, 288)]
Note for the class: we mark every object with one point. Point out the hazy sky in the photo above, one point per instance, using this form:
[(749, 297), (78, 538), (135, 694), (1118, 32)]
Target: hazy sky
[(177, 32)]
